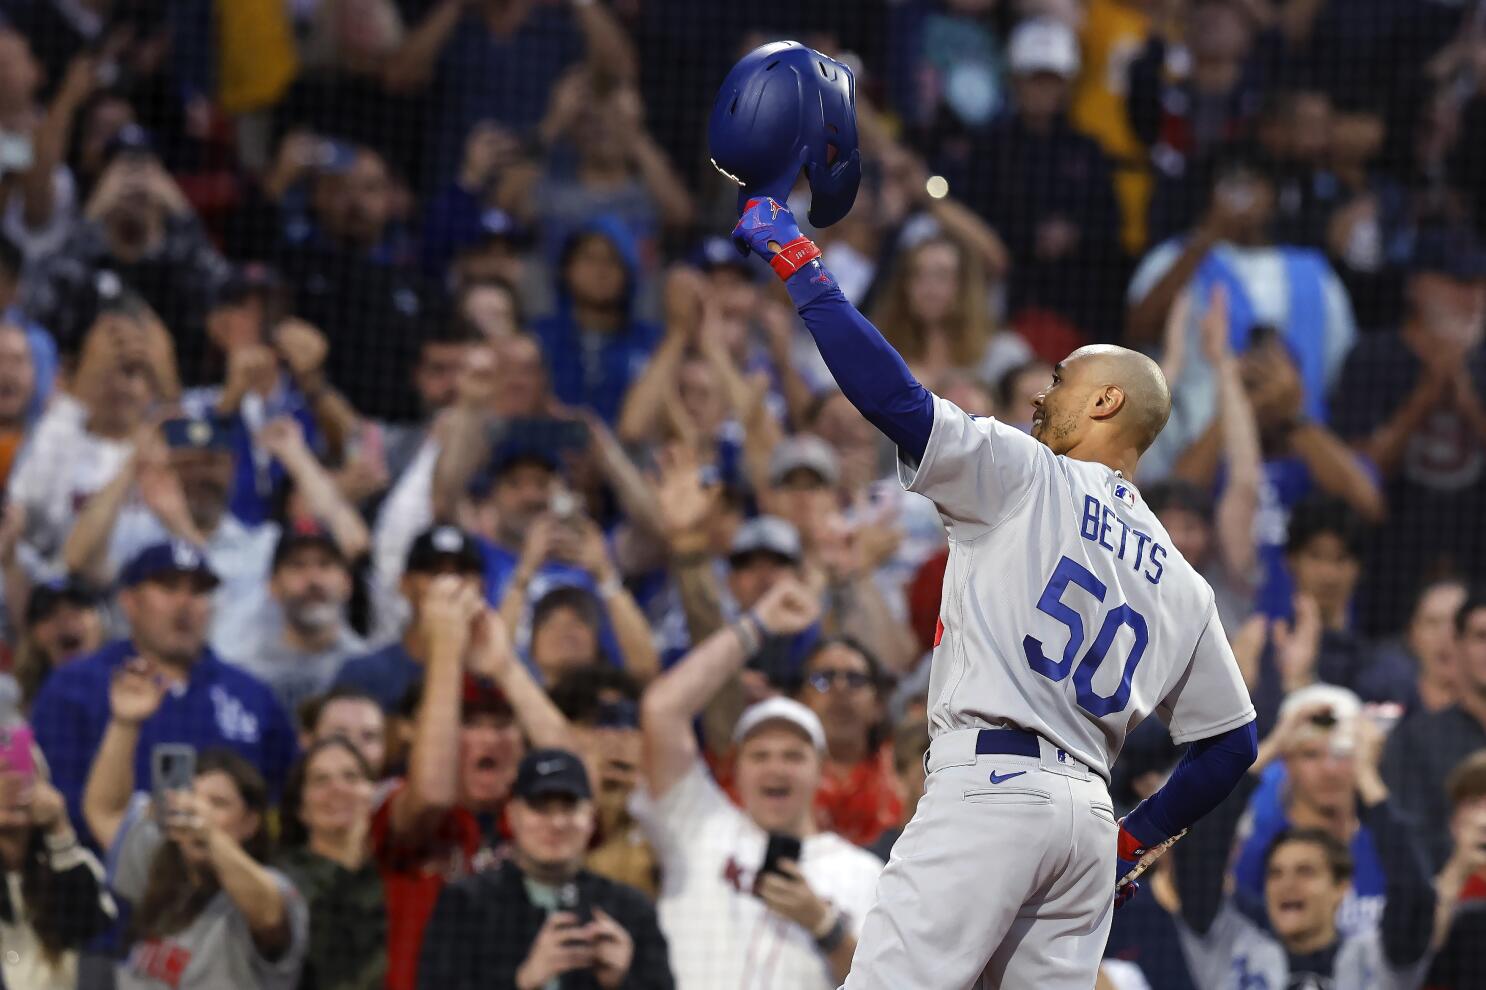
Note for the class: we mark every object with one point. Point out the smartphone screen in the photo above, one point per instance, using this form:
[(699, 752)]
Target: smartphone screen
[(16, 755), (780, 847), (172, 768)]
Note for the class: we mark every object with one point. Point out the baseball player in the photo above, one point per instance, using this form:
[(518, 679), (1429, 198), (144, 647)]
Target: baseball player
[(1067, 617)]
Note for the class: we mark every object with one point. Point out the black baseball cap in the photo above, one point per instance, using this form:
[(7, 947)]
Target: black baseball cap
[(131, 139), (308, 534), (46, 598), (1453, 251), (246, 281), (551, 773), (444, 544)]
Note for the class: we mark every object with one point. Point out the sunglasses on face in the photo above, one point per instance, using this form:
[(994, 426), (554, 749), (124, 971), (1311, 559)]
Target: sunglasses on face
[(825, 680)]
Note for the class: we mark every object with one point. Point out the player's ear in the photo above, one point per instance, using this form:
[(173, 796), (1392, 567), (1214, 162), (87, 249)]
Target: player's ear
[(1107, 401)]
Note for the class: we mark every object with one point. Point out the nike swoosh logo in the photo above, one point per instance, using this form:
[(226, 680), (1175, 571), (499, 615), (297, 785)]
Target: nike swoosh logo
[(1001, 778)]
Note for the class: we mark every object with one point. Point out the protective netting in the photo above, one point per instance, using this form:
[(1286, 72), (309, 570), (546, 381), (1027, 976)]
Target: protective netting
[(386, 416)]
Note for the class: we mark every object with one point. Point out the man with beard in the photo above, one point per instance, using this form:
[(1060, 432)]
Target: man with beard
[(165, 594), (311, 583), (476, 709), (177, 486)]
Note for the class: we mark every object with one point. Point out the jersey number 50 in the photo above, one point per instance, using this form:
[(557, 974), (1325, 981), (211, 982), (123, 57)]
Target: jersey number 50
[(1071, 572)]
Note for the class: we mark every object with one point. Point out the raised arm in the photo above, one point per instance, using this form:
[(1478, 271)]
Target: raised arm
[(491, 656), (446, 617), (464, 433), (625, 617), (679, 695), (134, 695), (871, 374), (284, 439), (1239, 502), (1407, 925), (411, 66)]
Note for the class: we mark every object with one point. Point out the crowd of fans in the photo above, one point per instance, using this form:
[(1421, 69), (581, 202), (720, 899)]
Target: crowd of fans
[(433, 558)]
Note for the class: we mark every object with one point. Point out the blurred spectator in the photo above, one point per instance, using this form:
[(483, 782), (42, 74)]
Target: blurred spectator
[(17, 390), (339, 235), (443, 821), (1427, 647), (1309, 784), (1369, 233), (1307, 873), (441, 355), (718, 908), (945, 71), (388, 673), (37, 373), (1047, 189), (594, 346), (1183, 117), (1424, 749), (86, 437), (1291, 290), (565, 628), (548, 920), (354, 716), (64, 622), (1462, 881), (490, 306), (617, 170), (41, 198), (1411, 400), (54, 897), (1217, 536), (1294, 129), (138, 225), (326, 810), (936, 312), (603, 706), (909, 743), (1188, 514), (1112, 36), (497, 60), (299, 656), (197, 699), (205, 912), (176, 487), (859, 794), (1323, 555)]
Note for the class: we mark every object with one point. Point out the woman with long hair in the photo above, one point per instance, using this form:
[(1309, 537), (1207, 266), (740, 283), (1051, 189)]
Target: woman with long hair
[(326, 813), (52, 900), (937, 313), (206, 912)]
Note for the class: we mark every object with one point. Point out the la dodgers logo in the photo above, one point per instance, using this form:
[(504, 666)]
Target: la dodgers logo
[(233, 717)]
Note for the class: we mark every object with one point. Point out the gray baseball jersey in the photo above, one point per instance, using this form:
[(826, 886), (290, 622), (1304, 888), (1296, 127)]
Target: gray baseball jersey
[(1066, 611)]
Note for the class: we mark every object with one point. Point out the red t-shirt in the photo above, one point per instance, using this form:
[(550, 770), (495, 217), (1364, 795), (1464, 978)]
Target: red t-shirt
[(861, 802), (1474, 888), (413, 876)]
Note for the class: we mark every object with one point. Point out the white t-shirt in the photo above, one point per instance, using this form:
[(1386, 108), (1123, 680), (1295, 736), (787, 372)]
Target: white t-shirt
[(722, 937), (59, 469), (1066, 609)]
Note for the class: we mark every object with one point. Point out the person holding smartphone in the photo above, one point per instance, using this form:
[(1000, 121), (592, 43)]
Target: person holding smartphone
[(188, 856), (545, 920), (52, 896)]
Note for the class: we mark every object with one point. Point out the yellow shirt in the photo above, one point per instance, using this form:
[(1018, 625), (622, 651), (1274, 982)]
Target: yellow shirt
[(1115, 32)]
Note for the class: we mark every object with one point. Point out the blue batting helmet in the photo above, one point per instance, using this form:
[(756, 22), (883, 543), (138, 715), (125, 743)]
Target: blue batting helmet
[(782, 108)]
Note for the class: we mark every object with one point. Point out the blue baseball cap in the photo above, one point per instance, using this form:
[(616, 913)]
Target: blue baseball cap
[(166, 559), (198, 433)]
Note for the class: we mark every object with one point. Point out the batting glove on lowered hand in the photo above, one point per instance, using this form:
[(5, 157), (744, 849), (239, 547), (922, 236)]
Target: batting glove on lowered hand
[(765, 222), (1133, 858)]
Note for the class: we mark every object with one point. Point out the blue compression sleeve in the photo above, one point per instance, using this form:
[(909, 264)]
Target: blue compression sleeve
[(1211, 768), (872, 375)]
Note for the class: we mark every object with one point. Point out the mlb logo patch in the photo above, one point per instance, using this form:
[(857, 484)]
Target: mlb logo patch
[(1124, 493)]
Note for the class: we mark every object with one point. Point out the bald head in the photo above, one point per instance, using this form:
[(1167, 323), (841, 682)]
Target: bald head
[(1103, 391), (1147, 404)]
